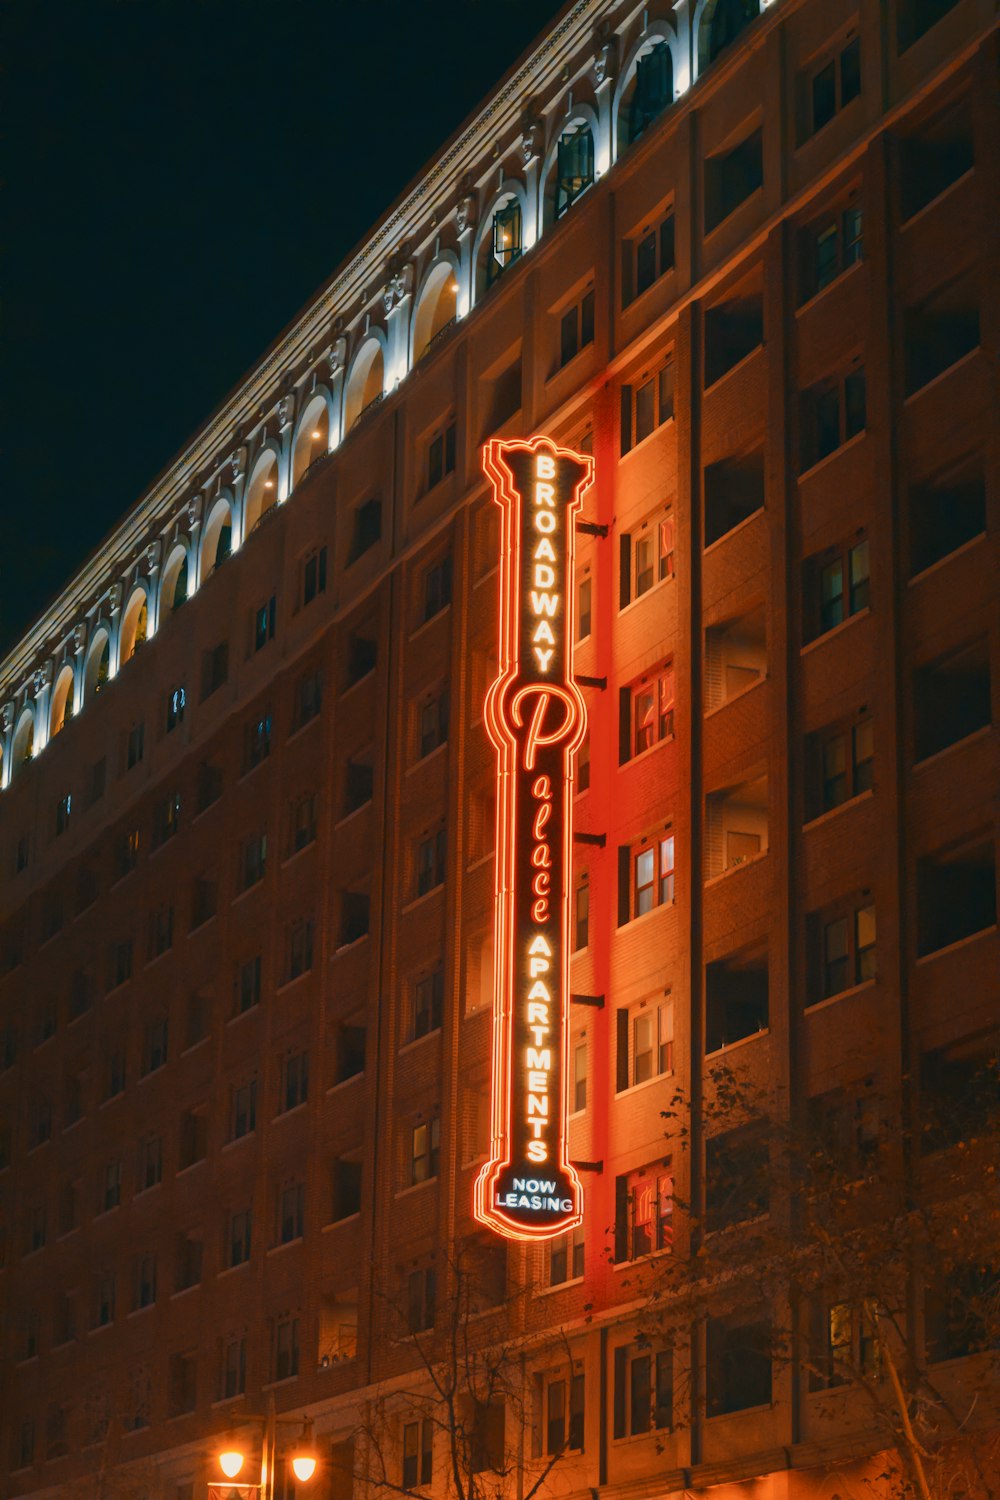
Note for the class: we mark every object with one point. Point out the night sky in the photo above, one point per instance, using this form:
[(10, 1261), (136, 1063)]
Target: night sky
[(180, 177)]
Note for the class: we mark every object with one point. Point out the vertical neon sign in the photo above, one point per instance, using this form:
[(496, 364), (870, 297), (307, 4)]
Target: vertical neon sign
[(536, 718)]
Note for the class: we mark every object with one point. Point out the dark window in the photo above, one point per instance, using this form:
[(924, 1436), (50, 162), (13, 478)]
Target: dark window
[(646, 713), (576, 329), (833, 85), (837, 585), (362, 655), (566, 1257), (161, 931), (154, 1049), (738, 1366), (574, 167), (832, 413), (345, 1184), (646, 406), (367, 527), (214, 668), (256, 741), (564, 1415), (183, 1384), (243, 1110), (960, 1312), (647, 257), (643, 1393), (729, 19), (940, 332), (193, 1137), (433, 725), (300, 947), (418, 1453), (314, 575), (133, 745), (430, 862), (246, 989), (264, 622), (733, 330), (64, 809), (960, 1091), (581, 914), (253, 860), (355, 917), (150, 1171), (120, 965), (934, 157), (584, 597), (286, 1349), (841, 949), (166, 818), (210, 779), (238, 1237), (839, 766), (951, 698), (294, 1088), (303, 822), (731, 178), (736, 999), (291, 1212), (349, 1058), (957, 896), (425, 1146), (831, 247), (734, 491), (946, 513), (420, 1299), (441, 455), (233, 1374), (652, 92), (428, 1002), (737, 1173), (915, 17), (308, 697), (436, 588)]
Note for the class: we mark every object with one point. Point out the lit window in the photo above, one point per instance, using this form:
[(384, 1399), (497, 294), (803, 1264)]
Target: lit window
[(842, 949), (646, 406), (428, 1002), (644, 1208), (425, 1145), (645, 877), (566, 1257), (649, 705), (418, 1453), (643, 1391), (507, 247), (176, 704), (564, 1414)]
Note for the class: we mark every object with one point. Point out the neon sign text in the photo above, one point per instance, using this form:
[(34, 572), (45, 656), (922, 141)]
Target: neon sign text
[(536, 719)]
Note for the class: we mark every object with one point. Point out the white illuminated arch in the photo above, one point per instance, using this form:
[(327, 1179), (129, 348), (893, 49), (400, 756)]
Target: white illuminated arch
[(100, 646), (22, 745), (180, 554), (131, 635), (436, 303), (580, 117), (366, 377), (655, 33), (62, 705), (316, 417), (509, 189), (704, 16), (262, 488), (220, 515)]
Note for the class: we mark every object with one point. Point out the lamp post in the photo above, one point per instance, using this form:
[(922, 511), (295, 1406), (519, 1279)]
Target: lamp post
[(302, 1458)]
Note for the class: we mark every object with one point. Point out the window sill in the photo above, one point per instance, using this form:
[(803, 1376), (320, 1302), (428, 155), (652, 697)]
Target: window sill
[(185, 1291), (729, 374), (854, 989), (241, 896), (633, 922), (982, 733), (137, 1312), (947, 558), (573, 359), (142, 1191), (668, 739), (237, 1140), (418, 1041), (833, 812), (560, 1286), (202, 923), (838, 280), (941, 376), (754, 859), (273, 1385), (301, 728), (193, 1046), (641, 1260), (624, 457), (420, 900), (973, 937), (833, 455), (354, 1218), (646, 593), (285, 1245), (358, 682), (667, 271), (710, 712), (192, 1166), (741, 1411), (288, 984), (424, 759), (286, 1114), (634, 1088), (733, 530), (915, 218), (231, 1270), (152, 1073), (342, 1083), (415, 1187), (224, 1401), (834, 630), (424, 626), (242, 1015), (347, 947), (741, 1041), (349, 817), (302, 849)]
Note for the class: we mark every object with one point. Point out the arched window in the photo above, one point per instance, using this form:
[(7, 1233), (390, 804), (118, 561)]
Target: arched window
[(217, 537), (62, 701), (312, 441), (648, 94), (98, 666), (437, 309), (24, 740), (365, 384), (174, 584), (721, 24), (262, 492), (133, 633)]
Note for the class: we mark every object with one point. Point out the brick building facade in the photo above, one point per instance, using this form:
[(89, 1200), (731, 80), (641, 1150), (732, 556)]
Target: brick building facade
[(247, 885)]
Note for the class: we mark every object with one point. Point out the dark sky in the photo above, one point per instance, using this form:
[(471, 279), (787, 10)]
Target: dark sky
[(180, 176)]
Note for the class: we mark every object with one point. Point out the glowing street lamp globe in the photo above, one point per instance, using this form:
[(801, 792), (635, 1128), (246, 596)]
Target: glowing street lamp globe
[(303, 1465), (231, 1462)]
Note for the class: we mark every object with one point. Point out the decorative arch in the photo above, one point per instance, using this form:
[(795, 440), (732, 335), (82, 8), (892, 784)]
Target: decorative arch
[(175, 580), (717, 23), (365, 383), (500, 235), (663, 86), (61, 708), (312, 435), (561, 166), (262, 487), (23, 743), (217, 535), (97, 672), (135, 623), (436, 303)]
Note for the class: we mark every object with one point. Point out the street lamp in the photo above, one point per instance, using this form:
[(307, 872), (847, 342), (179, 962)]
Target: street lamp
[(302, 1457)]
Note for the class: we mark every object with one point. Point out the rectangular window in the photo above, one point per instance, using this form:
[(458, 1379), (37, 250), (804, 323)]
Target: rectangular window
[(256, 741), (436, 588), (214, 669), (425, 1145), (646, 710), (441, 455), (645, 1043), (120, 965), (64, 808), (144, 1284), (264, 622), (314, 575), (833, 412), (161, 931), (243, 1110), (111, 1186), (286, 1349), (646, 557), (294, 1087), (150, 1166), (833, 85), (840, 764), (154, 1047), (574, 166), (418, 1452), (238, 1237), (506, 245), (643, 1393), (308, 698), (831, 247), (647, 257), (367, 528), (565, 1410), (842, 950), (579, 1095), (233, 1377), (581, 914), (291, 1212), (732, 177), (646, 406), (645, 877), (566, 1257), (584, 598), (428, 1002), (420, 1299), (303, 822), (576, 329), (837, 585), (430, 861), (253, 860), (300, 947), (133, 745), (246, 989), (644, 1212), (737, 1176), (166, 818), (432, 723), (176, 704), (738, 1366)]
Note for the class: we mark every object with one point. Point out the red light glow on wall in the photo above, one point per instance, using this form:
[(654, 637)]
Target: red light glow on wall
[(536, 718)]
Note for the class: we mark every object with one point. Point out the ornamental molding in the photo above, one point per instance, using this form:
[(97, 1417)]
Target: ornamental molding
[(79, 637), (286, 412), (153, 556), (7, 717), (115, 598), (41, 678), (605, 55), (465, 214)]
